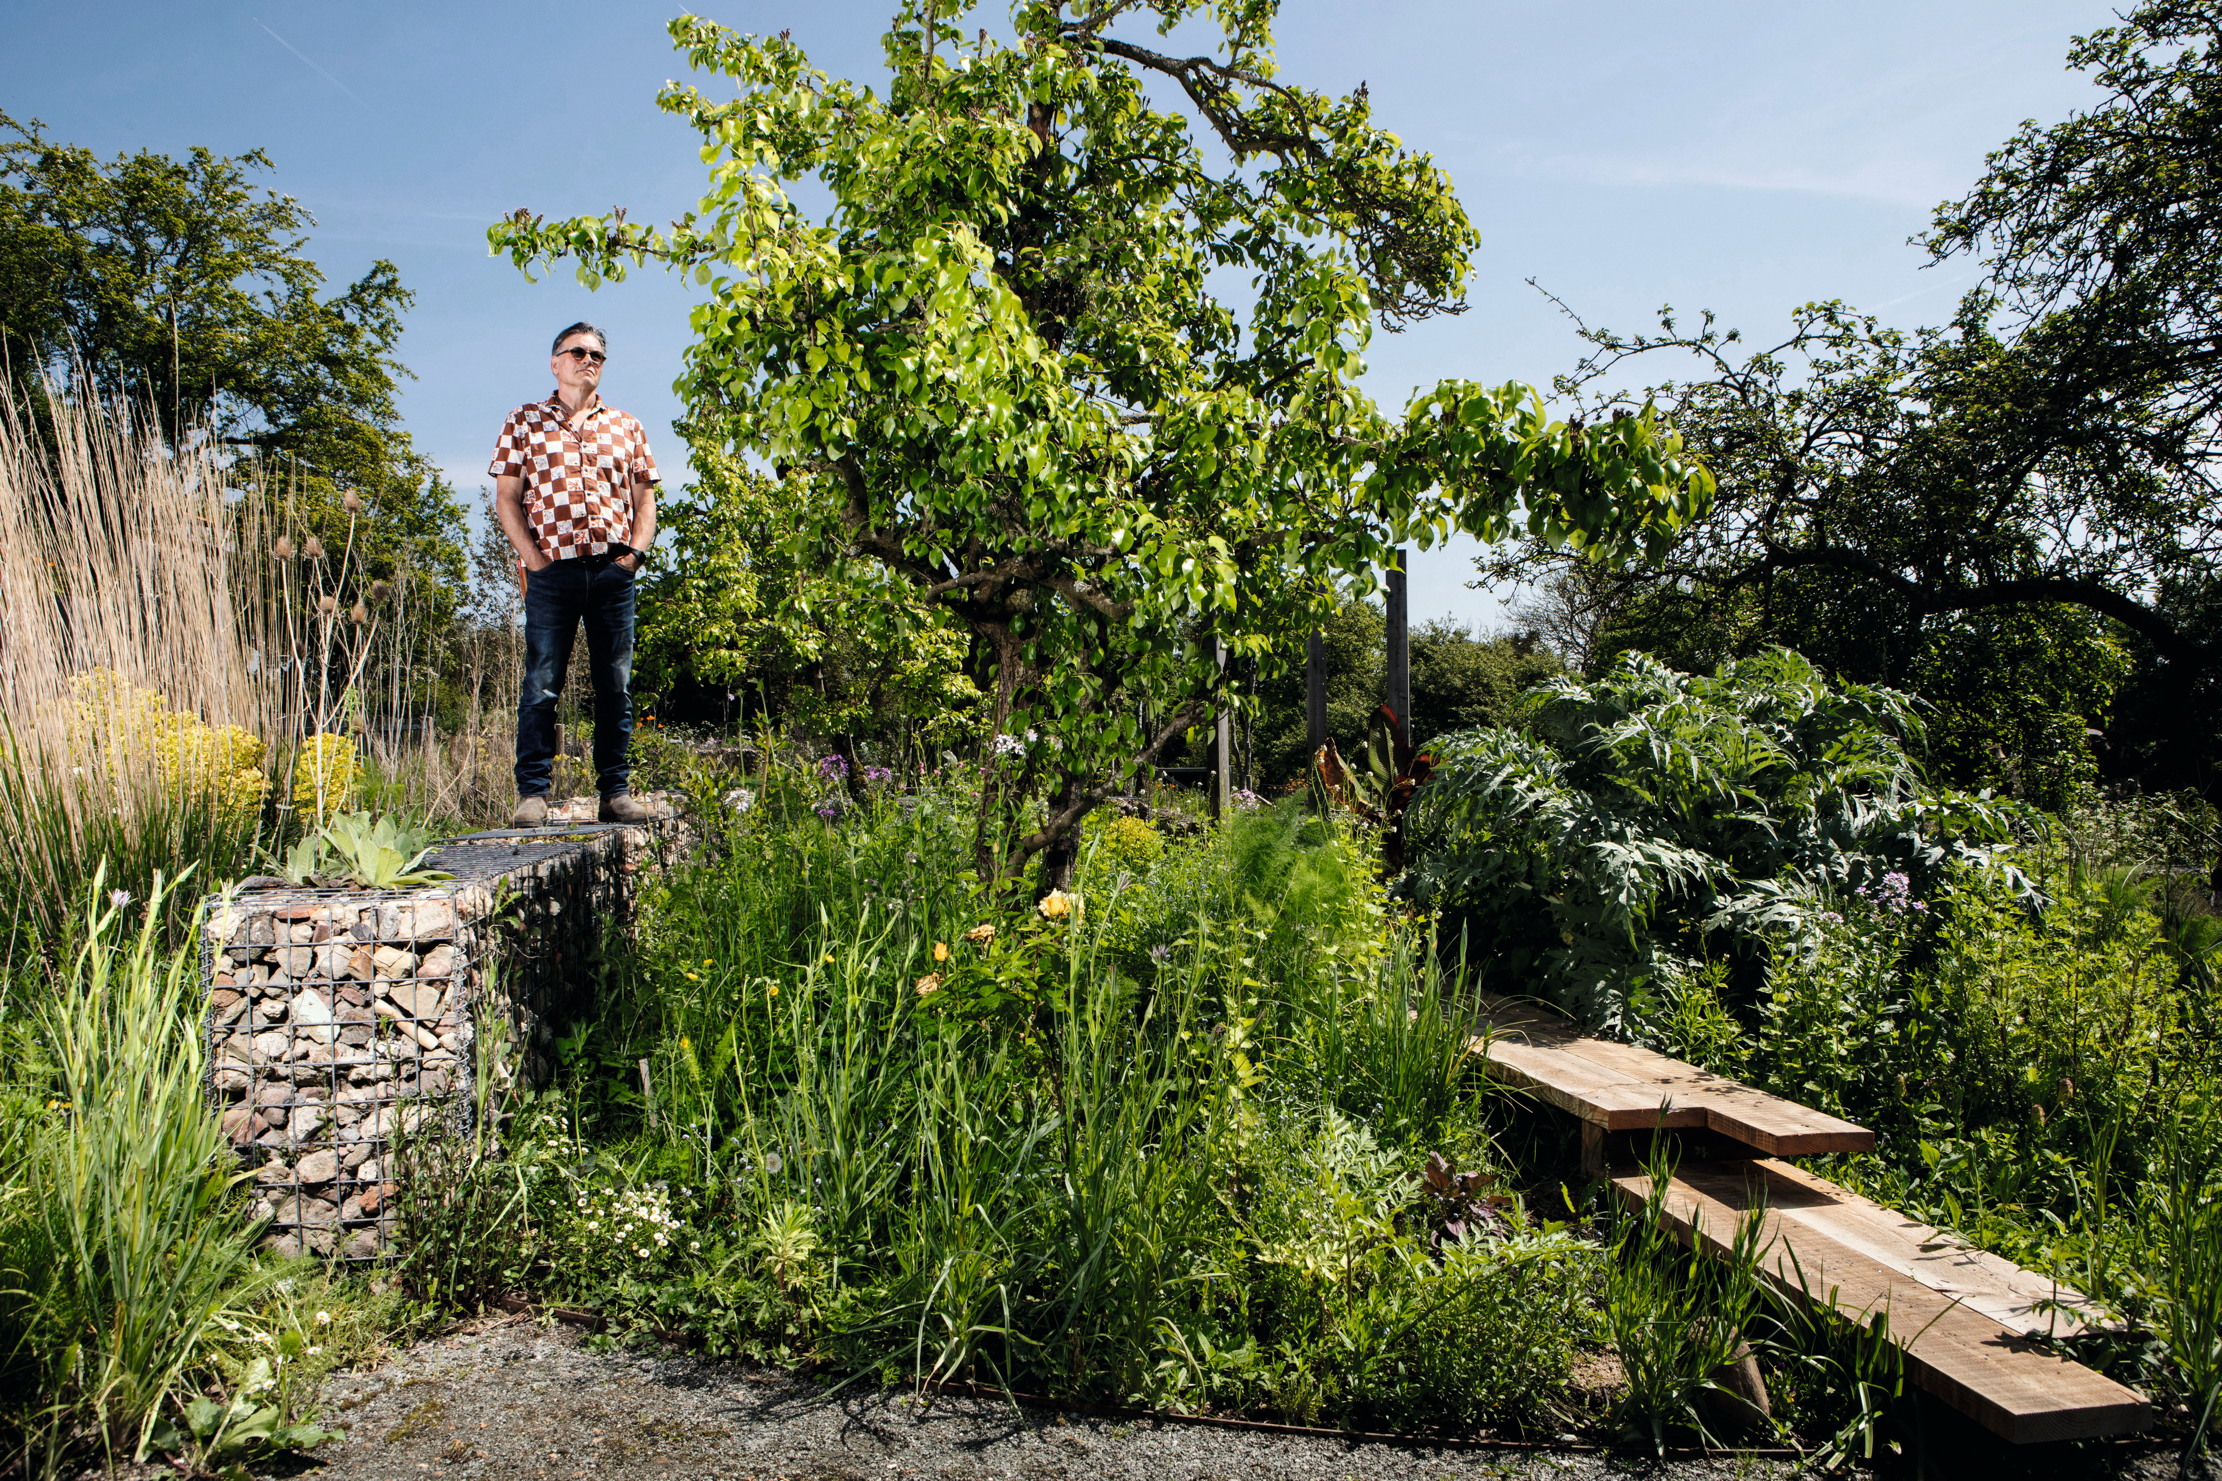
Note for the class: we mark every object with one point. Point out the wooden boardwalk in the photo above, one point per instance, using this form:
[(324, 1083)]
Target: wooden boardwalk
[(1967, 1320), (1617, 1087), (1943, 1311)]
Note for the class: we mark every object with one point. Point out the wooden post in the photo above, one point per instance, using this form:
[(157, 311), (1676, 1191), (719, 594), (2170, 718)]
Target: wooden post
[(1315, 693), (1400, 645), (1222, 744)]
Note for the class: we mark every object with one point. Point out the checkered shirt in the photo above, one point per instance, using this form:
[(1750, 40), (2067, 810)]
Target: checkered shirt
[(579, 476)]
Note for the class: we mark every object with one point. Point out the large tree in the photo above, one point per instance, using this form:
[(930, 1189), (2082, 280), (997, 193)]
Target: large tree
[(2035, 483), (179, 286), (1080, 365), (1874, 513)]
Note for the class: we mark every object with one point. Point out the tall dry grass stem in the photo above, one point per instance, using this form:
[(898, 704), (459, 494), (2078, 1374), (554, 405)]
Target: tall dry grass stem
[(122, 565)]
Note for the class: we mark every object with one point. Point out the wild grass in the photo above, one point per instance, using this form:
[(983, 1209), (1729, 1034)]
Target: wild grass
[(908, 1130), (127, 1262)]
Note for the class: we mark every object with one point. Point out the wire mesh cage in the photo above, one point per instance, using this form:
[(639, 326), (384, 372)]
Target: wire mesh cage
[(343, 1021)]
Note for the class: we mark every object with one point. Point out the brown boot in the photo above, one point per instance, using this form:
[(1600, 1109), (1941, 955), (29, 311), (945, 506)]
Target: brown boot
[(623, 807), (532, 812)]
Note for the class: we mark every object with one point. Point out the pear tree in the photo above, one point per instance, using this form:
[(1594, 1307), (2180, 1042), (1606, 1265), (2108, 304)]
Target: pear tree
[(1064, 331)]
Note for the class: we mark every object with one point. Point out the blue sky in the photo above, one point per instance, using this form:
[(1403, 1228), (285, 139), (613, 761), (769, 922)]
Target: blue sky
[(1725, 154)]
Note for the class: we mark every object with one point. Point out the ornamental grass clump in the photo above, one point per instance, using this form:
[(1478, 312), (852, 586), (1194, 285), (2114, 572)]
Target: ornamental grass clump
[(129, 1260), (136, 695)]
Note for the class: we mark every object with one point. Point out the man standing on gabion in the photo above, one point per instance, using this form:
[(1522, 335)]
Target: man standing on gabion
[(575, 490)]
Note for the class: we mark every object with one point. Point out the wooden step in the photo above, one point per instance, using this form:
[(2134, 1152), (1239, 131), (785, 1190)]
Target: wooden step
[(1620, 1087), (1960, 1315)]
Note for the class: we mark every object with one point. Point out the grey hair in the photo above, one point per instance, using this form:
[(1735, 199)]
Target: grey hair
[(582, 327)]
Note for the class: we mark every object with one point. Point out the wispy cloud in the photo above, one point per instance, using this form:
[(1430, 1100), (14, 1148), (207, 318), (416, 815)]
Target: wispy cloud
[(306, 62), (1901, 182)]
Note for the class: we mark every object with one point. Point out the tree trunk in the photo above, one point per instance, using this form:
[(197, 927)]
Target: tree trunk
[(1063, 852), (1400, 644), (986, 857)]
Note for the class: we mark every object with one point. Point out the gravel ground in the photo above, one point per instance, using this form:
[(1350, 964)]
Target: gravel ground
[(513, 1400), (516, 1400)]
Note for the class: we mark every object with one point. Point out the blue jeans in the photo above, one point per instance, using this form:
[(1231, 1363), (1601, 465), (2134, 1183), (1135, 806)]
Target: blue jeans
[(597, 591)]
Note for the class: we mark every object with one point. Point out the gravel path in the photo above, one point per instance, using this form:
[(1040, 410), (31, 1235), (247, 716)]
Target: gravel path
[(515, 1400), (512, 1401)]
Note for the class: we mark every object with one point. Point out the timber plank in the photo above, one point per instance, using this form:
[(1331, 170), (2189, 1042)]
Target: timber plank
[(1993, 1375), (1623, 1087), (1592, 1092), (2018, 1300)]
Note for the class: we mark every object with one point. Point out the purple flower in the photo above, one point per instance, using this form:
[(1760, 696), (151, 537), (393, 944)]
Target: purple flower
[(1893, 892), (830, 809), (834, 768), (878, 774)]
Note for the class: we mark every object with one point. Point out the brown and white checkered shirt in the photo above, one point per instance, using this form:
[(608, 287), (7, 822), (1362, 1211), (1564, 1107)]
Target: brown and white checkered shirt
[(579, 475)]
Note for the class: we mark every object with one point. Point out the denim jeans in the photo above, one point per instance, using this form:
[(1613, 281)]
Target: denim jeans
[(597, 591)]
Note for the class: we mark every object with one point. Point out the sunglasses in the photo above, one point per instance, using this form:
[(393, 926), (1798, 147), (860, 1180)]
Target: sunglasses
[(580, 352)]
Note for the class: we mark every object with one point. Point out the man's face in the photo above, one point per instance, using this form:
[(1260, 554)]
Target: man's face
[(577, 364)]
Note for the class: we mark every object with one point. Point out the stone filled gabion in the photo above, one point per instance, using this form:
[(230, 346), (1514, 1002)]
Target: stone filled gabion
[(342, 1020), (336, 1022)]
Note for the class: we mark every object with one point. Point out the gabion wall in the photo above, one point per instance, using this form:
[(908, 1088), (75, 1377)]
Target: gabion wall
[(339, 1020)]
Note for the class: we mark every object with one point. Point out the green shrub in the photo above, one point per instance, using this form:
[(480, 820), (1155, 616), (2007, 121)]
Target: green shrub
[(909, 1127), (1648, 821)]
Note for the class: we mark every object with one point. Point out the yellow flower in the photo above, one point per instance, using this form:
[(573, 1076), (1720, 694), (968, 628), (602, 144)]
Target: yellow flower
[(829, 958), (773, 989), (1056, 905), (980, 935), (692, 978), (324, 774), (941, 951), (930, 983)]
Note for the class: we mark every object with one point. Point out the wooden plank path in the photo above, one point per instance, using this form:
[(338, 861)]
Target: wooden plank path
[(1965, 1318), (1621, 1087), (1955, 1348)]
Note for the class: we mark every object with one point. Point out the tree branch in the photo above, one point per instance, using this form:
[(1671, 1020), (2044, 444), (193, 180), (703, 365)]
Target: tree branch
[(2166, 638)]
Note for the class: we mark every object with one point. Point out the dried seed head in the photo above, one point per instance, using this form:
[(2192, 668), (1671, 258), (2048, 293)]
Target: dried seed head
[(352, 502), (284, 547), (327, 604), (380, 590), (315, 549), (360, 613)]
